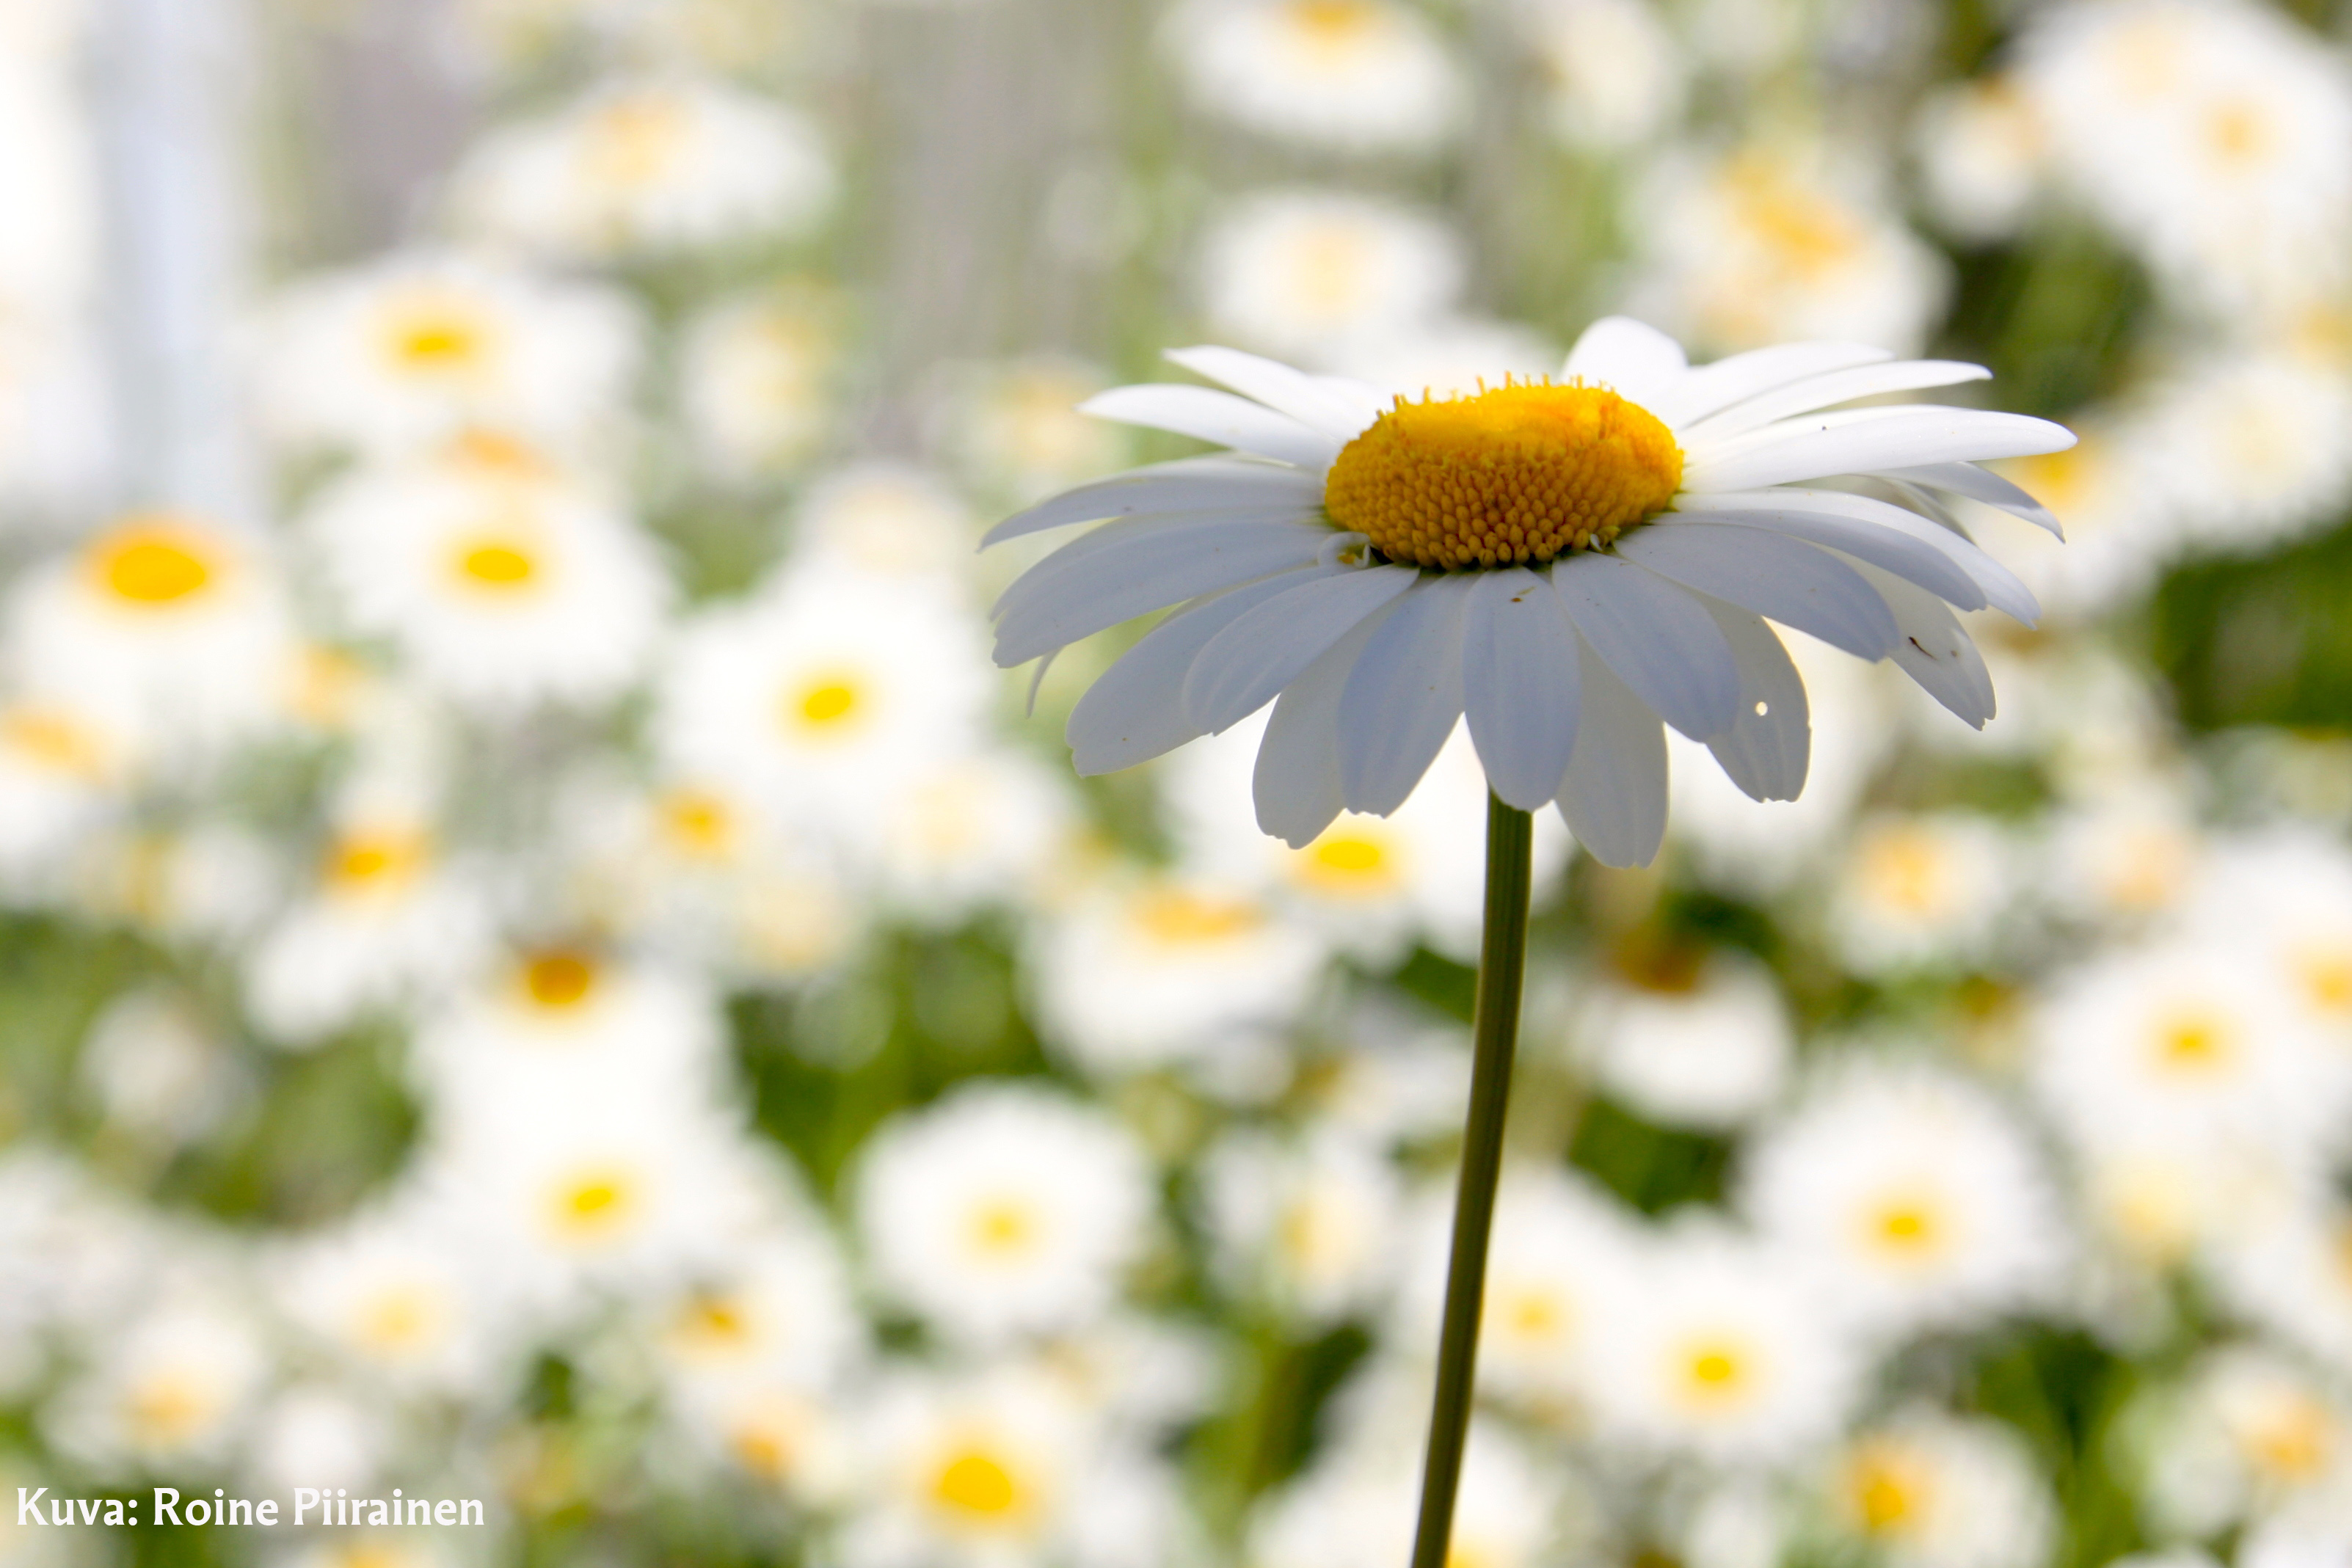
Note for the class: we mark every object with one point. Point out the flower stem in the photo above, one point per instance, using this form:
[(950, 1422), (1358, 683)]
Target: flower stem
[(1502, 965)]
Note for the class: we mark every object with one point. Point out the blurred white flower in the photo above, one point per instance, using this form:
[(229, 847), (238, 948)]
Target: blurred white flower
[(159, 1070), (404, 1295), (1771, 242), (1614, 76), (886, 519), (1307, 1227), (2246, 448), (971, 832), (2121, 527), (174, 1388), (1922, 892), (2122, 860), (1722, 1348), (1981, 149), (1914, 1196), (1686, 1037), (2288, 893), (1146, 972), (415, 348), (1007, 1209), (501, 589), (646, 164), (1923, 1488), (1305, 271), (318, 1434), (776, 1315), (1013, 426), (2291, 1273), (756, 379), (1354, 1506), (2249, 1434), (1360, 76), (61, 768)]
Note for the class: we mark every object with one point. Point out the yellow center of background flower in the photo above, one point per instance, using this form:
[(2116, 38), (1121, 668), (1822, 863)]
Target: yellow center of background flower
[(498, 565), (1512, 476), (973, 1482), (152, 564), (557, 980)]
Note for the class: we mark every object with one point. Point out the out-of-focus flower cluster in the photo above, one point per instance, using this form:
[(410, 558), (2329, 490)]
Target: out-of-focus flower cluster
[(551, 968)]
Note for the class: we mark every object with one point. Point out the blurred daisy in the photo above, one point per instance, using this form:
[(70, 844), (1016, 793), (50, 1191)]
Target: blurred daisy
[(2289, 895), (1721, 1348), (1306, 1227), (1015, 428), (1687, 1037), (2124, 860), (1922, 1489), (2291, 1273), (2121, 529), (653, 164), (777, 1314), (1772, 241), (1353, 1505), (888, 519), (1383, 568), (175, 1389), (2242, 447), (1561, 1260), (159, 1069), (416, 348), (756, 379), (499, 589), (1159, 971), (970, 833), (1305, 271), (1914, 1196), (822, 689), (62, 766), (1361, 76), (1922, 892), (171, 631), (2249, 1433), (400, 1295), (1007, 1209), (1981, 150), (1614, 77)]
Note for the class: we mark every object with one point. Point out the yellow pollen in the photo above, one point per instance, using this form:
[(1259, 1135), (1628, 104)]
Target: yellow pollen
[(974, 1482), (1532, 1314), (829, 704), (1179, 919), (1715, 1370), (1907, 1228), (2326, 978), (557, 980), (712, 1322), (2296, 1443), (366, 861), (1004, 1225), (498, 565), (437, 335), (1882, 1494), (2193, 1042), (2238, 131), (152, 561), (1518, 474), (698, 824), (593, 1204)]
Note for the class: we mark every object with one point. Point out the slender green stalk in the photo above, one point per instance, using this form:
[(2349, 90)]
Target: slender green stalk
[(1502, 965)]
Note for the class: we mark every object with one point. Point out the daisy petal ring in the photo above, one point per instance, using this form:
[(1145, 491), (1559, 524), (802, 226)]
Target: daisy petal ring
[(1571, 564)]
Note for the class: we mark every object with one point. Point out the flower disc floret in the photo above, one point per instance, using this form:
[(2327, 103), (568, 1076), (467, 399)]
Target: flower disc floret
[(1516, 474)]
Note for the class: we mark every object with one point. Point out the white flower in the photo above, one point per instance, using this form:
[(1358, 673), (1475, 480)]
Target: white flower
[(1308, 1228), (1382, 567), (416, 348), (1015, 425), (2291, 1274), (820, 690), (2250, 1435), (970, 831), (500, 589), (2244, 447), (1305, 271), (1006, 1209), (646, 165), (402, 1294), (889, 519), (1979, 147), (755, 379), (1915, 1195), (1353, 1507), (60, 768), (158, 1070), (777, 1313), (173, 1389), (1921, 892), (2288, 893), (1614, 73), (1928, 1490), (1721, 1348), (1697, 1038), (1153, 971), (1363, 75), (1774, 241)]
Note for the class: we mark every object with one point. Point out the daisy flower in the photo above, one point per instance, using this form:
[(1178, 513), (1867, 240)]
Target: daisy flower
[(1928, 1490), (1568, 564), (1297, 271), (1358, 76)]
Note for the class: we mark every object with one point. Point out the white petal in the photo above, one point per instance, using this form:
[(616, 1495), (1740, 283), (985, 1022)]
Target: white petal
[(1403, 696), (1297, 781), (1114, 540), (1655, 637), (1135, 711), (1278, 386), (2001, 586), (1788, 580), (1519, 684), (1244, 665), (1861, 440), (1189, 484), (1935, 651), (1742, 376), (1641, 363), (1834, 387), (1615, 796), (1913, 560), (1216, 416), (1368, 401), (1767, 753), (1149, 571), (1977, 484)]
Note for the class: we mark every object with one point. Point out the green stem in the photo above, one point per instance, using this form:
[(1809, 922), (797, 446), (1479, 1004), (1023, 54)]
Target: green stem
[(1502, 965)]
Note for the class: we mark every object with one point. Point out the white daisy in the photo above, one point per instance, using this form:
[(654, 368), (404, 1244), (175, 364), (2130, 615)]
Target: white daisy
[(416, 348), (2242, 446), (1687, 1037), (500, 589), (1928, 1490), (1363, 75), (661, 163), (1352, 1506), (174, 1388), (756, 379), (1981, 148), (1305, 271), (1915, 1195), (778, 1312), (1014, 427), (2291, 1275), (889, 519), (1307, 1227), (2251, 1433), (1007, 1209), (158, 1071), (61, 765), (1920, 892), (400, 1295), (1566, 564), (1613, 75), (2289, 893), (972, 831)]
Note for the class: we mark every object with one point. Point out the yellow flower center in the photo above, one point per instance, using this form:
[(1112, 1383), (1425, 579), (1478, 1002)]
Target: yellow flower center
[(1003, 1227), (1908, 1228), (153, 562), (1712, 1374), (398, 1318), (1882, 1490), (2296, 1442), (2192, 1042), (1515, 474), (169, 1409), (1531, 1314), (698, 824), (498, 563), (1179, 919), (593, 1206), (636, 141), (383, 860), (976, 1483), (558, 980), (1331, 24), (709, 1323), (2326, 977), (53, 740), (437, 337)]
